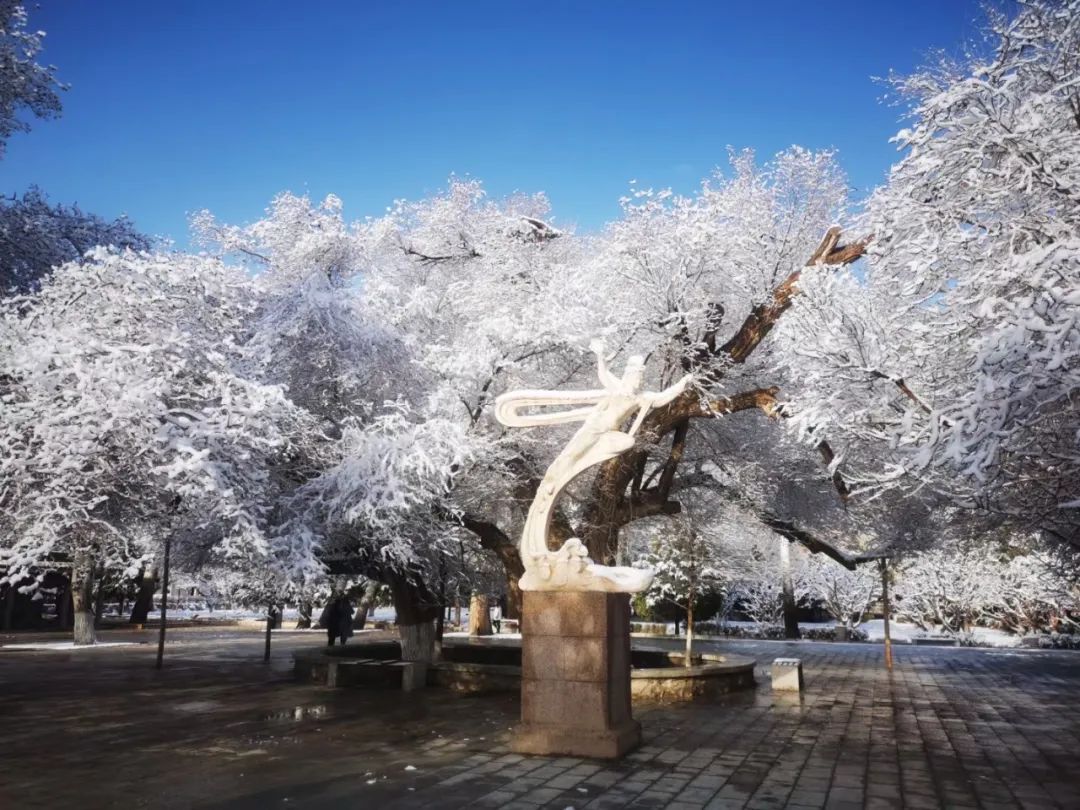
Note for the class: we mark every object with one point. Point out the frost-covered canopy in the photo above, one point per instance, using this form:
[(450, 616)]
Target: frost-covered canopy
[(123, 404), (24, 84)]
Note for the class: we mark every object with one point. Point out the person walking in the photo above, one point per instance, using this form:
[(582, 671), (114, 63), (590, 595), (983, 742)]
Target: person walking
[(328, 619), (344, 619)]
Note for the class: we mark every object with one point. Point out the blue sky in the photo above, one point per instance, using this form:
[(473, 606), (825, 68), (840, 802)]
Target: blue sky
[(177, 106)]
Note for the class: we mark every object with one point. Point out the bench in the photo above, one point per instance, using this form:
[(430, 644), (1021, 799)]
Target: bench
[(406, 675)]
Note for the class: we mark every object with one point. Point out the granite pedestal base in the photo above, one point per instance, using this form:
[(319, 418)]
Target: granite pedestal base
[(575, 675)]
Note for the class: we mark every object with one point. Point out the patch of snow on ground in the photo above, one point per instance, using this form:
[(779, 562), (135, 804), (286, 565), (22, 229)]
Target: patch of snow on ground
[(901, 632)]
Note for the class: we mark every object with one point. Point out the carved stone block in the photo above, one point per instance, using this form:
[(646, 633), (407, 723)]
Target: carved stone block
[(787, 675)]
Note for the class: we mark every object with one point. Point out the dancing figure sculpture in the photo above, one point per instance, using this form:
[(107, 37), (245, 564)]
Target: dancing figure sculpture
[(600, 438)]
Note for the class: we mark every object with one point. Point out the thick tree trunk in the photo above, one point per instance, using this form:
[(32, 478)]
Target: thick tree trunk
[(417, 610), (82, 590), (303, 608), (417, 641), (367, 601), (479, 615), (457, 612), (791, 618), (495, 539), (144, 599)]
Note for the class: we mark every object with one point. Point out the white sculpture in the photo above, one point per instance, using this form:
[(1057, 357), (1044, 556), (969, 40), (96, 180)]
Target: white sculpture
[(600, 438)]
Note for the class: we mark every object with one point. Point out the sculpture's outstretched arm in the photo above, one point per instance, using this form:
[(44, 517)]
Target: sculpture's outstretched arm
[(658, 400), (648, 401), (607, 379)]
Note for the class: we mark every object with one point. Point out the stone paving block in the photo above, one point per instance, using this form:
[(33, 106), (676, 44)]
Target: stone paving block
[(883, 803), (541, 795), (564, 781), (839, 794), (650, 801), (499, 798), (698, 795), (708, 780), (718, 803), (603, 779)]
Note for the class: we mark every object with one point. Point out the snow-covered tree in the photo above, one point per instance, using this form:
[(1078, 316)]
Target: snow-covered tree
[(698, 284), (761, 584), (948, 587), (493, 296), (125, 414), (36, 236), (846, 594), (954, 356), (24, 84), (358, 494), (484, 294), (689, 564), (1035, 586)]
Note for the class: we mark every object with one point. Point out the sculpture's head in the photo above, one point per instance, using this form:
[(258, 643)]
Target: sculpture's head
[(634, 374)]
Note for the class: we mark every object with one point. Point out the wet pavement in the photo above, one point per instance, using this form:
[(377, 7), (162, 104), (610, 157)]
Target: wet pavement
[(219, 729)]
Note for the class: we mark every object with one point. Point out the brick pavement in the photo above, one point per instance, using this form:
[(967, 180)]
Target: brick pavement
[(949, 728), (953, 728)]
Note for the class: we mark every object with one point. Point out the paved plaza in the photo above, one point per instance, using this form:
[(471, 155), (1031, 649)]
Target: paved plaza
[(953, 728)]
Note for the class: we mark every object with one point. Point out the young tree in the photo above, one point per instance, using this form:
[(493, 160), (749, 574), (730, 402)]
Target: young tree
[(687, 562)]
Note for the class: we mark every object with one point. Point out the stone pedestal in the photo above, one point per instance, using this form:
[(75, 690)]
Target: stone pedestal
[(575, 675)]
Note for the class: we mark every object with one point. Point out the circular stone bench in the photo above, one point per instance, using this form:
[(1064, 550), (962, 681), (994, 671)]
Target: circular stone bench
[(659, 675), (486, 665)]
